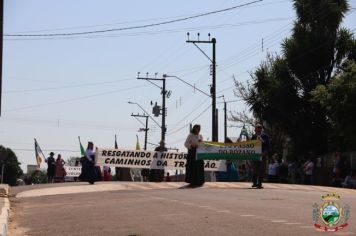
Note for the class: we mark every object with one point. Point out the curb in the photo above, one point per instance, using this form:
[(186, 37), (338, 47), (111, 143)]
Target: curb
[(4, 217), (5, 209)]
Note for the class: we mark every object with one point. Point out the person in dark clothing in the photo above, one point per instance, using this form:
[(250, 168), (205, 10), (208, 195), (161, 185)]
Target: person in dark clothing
[(194, 174), (259, 167), (283, 172), (51, 167), (155, 174), (89, 172)]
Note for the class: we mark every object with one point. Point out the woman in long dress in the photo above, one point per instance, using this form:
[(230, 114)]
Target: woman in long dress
[(60, 172), (88, 165), (194, 174)]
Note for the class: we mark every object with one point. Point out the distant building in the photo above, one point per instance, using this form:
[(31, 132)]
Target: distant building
[(32, 168)]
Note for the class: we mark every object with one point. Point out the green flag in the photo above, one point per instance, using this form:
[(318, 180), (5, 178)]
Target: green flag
[(82, 150)]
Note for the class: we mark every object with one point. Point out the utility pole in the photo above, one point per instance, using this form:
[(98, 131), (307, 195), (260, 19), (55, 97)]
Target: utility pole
[(143, 129), (1, 45), (164, 93), (225, 122), (213, 85)]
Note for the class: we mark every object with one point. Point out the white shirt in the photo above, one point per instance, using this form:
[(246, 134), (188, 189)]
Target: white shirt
[(89, 153), (308, 168), (272, 168), (193, 140)]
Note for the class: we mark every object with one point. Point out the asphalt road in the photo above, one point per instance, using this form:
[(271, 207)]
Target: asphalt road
[(212, 210)]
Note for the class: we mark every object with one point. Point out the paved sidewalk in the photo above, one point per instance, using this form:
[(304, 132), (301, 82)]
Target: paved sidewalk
[(5, 209)]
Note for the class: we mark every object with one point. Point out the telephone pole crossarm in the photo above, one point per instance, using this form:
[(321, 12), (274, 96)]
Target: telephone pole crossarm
[(163, 92), (145, 129)]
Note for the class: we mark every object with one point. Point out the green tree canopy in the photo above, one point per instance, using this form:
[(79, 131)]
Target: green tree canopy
[(280, 92), (338, 98), (12, 169)]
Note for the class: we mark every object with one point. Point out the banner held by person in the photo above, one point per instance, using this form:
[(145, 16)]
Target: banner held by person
[(149, 159), (248, 150)]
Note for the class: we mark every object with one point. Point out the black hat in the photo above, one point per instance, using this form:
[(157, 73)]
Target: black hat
[(51, 153)]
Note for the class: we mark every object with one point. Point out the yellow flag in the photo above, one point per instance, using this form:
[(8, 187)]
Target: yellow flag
[(137, 143), (39, 154)]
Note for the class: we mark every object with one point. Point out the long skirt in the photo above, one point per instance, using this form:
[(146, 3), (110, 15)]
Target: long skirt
[(59, 173), (89, 172), (194, 172)]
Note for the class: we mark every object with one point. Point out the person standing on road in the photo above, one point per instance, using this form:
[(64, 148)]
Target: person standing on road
[(89, 170), (60, 172), (51, 167), (168, 177), (259, 167), (308, 168), (157, 175), (273, 169), (194, 174), (107, 173)]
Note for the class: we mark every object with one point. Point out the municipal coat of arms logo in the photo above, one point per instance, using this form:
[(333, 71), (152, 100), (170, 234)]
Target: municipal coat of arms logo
[(330, 216)]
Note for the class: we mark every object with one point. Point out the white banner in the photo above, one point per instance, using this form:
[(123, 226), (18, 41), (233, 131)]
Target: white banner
[(73, 171), (149, 159)]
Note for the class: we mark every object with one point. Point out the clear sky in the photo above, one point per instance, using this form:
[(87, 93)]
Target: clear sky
[(61, 87)]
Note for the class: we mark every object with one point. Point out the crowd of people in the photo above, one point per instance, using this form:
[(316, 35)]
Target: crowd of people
[(274, 169), (309, 172), (56, 172)]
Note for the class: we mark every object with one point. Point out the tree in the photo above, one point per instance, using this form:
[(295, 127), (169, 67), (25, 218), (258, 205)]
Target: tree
[(338, 99), (12, 169), (38, 177), (280, 94)]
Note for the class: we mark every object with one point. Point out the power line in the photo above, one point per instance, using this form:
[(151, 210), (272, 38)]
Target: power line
[(200, 114), (133, 21), (168, 31), (45, 144), (64, 87), (295, 58), (298, 79), (193, 110), (47, 150), (254, 50), (72, 99), (134, 27)]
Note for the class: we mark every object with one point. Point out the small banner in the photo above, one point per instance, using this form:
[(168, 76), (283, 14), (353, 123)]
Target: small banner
[(149, 159), (72, 171), (248, 150)]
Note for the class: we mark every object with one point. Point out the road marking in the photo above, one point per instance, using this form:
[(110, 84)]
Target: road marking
[(188, 204), (279, 221), (292, 223), (224, 211), (168, 215), (246, 215)]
